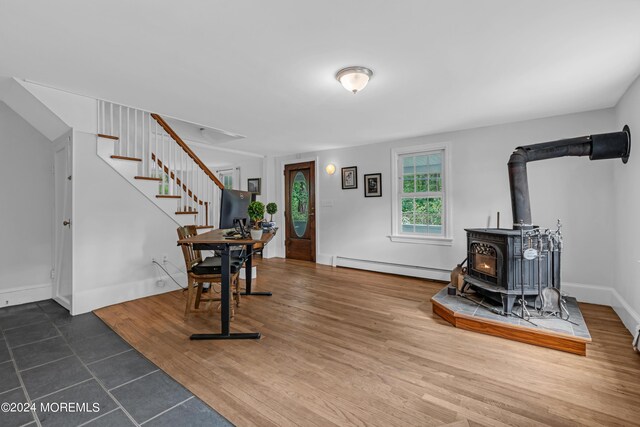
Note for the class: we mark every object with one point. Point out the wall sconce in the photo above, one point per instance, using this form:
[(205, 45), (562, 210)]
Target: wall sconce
[(331, 169)]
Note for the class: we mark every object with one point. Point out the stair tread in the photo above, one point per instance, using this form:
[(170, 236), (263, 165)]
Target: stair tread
[(148, 178), (167, 196), (133, 159)]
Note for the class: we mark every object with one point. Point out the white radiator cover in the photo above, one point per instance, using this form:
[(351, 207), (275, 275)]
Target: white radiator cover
[(432, 273)]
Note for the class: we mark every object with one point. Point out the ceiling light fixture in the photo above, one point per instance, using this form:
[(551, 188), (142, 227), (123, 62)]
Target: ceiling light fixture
[(354, 79)]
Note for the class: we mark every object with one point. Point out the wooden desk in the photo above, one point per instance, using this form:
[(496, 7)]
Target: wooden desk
[(215, 240)]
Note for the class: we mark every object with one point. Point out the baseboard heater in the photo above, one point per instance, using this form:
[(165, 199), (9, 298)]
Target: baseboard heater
[(392, 268)]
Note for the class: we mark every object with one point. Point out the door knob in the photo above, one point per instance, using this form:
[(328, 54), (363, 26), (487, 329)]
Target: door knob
[(67, 223)]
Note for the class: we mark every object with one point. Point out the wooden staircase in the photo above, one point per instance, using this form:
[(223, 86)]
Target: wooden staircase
[(145, 150)]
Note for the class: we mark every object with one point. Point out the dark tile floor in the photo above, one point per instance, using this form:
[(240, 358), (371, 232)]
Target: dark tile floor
[(49, 359)]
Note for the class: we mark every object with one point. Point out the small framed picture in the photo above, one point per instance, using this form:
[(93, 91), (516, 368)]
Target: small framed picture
[(350, 178), (254, 185), (373, 185)]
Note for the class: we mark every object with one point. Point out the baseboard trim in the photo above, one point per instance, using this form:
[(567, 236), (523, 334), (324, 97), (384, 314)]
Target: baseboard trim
[(627, 314), (93, 299), (25, 294), (432, 273), (603, 295), (324, 259), (591, 294)]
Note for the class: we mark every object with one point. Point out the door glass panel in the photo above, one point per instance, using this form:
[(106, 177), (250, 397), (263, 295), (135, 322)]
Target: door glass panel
[(300, 204)]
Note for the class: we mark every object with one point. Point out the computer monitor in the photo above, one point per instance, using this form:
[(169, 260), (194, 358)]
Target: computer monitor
[(233, 204)]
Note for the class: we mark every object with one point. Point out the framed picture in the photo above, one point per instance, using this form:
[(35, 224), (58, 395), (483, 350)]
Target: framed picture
[(373, 185), (254, 185), (350, 178)]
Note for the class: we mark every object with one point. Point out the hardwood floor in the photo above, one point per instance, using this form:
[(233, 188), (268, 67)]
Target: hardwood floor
[(349, 347)]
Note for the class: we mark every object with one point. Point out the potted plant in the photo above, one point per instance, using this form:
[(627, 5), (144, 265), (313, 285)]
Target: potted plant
[(272, 208), (256, 213)]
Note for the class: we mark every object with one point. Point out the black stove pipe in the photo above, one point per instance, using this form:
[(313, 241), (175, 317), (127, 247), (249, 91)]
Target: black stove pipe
[(615, 145)]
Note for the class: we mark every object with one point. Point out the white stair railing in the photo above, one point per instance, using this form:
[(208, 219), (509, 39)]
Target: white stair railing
[(163, 155)]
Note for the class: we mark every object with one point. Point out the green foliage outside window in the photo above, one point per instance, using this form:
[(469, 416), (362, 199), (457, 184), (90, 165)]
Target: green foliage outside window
[(163, 186), (299, 199), (422, 199), (299, 204), (423, 211)]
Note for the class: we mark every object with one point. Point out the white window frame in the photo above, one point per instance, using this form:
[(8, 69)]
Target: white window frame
[(396, 178), (235, 177)]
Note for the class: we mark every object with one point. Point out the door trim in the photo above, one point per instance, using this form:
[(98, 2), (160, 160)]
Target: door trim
[(290, 235), (281, 203), (64, 140)]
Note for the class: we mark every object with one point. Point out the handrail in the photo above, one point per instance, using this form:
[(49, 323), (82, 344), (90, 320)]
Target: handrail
[(186, 189), (186, 149), (178, 181)]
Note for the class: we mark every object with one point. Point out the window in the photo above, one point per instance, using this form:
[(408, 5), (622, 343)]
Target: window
[(420, 206), (230, 178), (164, 184)]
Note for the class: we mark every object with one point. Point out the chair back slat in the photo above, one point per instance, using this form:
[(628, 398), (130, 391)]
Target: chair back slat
[(191, 256)]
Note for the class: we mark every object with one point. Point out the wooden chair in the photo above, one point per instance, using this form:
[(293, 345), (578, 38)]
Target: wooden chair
[(258, 248), (201, 271)]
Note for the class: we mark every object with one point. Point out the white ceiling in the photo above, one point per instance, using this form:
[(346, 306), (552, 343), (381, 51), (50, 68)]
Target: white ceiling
[(265, 69)]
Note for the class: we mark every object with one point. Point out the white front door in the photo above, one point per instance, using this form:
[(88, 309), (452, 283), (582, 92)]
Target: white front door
[(62, 278)]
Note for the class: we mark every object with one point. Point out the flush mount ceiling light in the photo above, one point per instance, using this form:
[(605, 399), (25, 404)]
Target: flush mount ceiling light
[(354, 79)]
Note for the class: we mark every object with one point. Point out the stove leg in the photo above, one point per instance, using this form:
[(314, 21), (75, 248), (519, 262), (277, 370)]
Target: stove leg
[(507, 303)]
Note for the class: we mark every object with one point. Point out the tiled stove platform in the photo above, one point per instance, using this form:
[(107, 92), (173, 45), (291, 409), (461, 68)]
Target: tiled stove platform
[(549, 332)]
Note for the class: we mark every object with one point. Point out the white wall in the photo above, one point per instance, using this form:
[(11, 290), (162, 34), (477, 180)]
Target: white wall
[(626, 183), (573, 189), (117, 232), (77, 111), (26, 208), (30, 108), (251, 167)]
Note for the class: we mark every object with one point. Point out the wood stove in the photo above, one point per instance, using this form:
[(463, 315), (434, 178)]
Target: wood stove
[(508, 265), (495, 265)]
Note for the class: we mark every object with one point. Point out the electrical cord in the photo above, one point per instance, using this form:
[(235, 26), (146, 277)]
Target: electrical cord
[(242, 256), (177, 268), (169, 274)]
